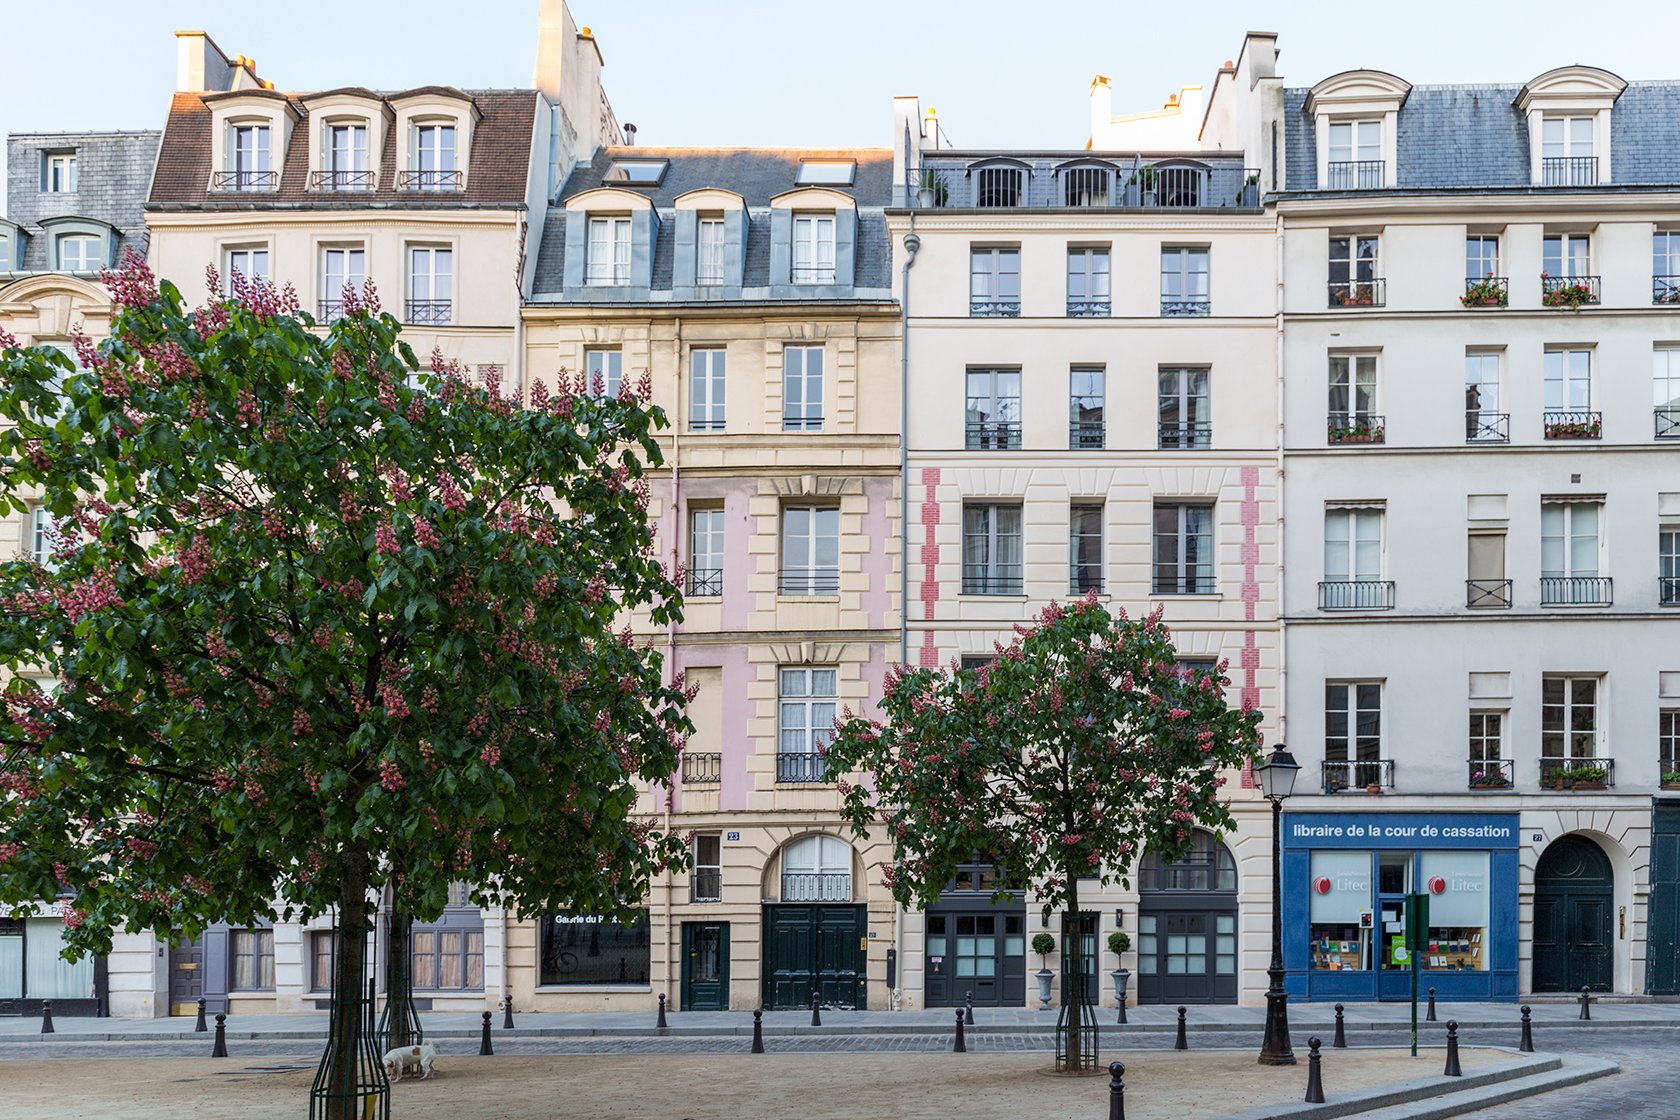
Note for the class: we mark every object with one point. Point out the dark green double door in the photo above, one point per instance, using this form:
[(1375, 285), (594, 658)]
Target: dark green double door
[(814, 949), (1573, 938)]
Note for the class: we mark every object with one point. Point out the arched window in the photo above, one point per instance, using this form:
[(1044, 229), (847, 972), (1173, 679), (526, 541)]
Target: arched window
[(1207, 866), (817, 868)]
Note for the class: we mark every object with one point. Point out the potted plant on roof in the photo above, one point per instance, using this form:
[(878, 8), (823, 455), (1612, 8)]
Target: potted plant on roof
[(1120, 943), (1043, 944), (931, 189)]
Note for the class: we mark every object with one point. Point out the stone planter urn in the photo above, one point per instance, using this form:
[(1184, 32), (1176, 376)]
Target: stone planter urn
[(1122, 977), (924, 197), (1044, 976)]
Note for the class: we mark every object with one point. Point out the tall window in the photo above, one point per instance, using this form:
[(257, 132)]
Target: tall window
[(583, 949), (809, 699), (1487, 585), (708, 265), (1354, 274), (1185, 417), (252, 956), (817, 869), (1353, 559), (1668, 565), (43, 537), (1484, 422), (1569, 553), (1567, 255), (322, 943), (1353, 399), (79, 253), (251, 170), (340, 268), (1481, 257), (991, 549), (1487, 736), (1085, 547), (251, 263), (434, 157), (994, 409), (999, 186), (705, 880), (5, 253), (1087, 282), (810, 550), (431, 284), (605, 370), (607, 259), (705, 551), (1353, 732), (58, 174), (1183, 548), (994, 282), (1665, 267), (1668, 745), (1184, 281), (1085, 407), (802, 388), (706, 392), (347, 157), (1568, 386), (1566, 152), (1665, 390), (446, 959), (1569, 717), (813, 248), (1355, 161)]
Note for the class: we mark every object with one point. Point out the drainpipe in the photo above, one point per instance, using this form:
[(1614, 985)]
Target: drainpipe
[(1283, 657), (671, 626), (911, 244)]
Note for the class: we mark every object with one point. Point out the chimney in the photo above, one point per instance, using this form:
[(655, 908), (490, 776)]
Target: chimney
[(629, 135), (907, 141), (556, 34), (200, 65), (1102, 104)]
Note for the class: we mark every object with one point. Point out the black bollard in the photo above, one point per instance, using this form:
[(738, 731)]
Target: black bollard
[(46, 1017), (758, 1032), (219, 1050), (507, 1012), (1526, 1046), (484, 1050), (968, 1009), (1315, 1079), (1122, 1011), (1340, 1041), (1183, 1043), (1452, 1069), (1116, 1091), (1586, 1004), (1430, 1017), (816, 1013), (959, 1047), (661, 1024), (201, 1027)]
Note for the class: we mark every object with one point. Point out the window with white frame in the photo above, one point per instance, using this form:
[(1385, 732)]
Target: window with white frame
[(1183, 408), (1569, 718), (1353, 559), (1087, 386), (1356, 155), (810, 550), (808, 701), (1085, 547), (80, 252), (817, 869), (1352, 402), (1566, 256), (802, 388), (708, 265), (433, 159), (1484, 422), (43, 537), (1571, 554), (1353, 734), (813, 248), (1568, 385), (993, 417), (347, 157), (5, 253), (1665, 390), (1487, 585), (705, 879), (58, 172), (250, 261), (1355, 277), (431, 284), (1183, 548), (1481, 257), (1668, 746), (1487, 736), (604, 370), (342, 266), (1668, 565), (707, 377), (607, 256), (322, 947), (705, 550), (991, 557), (1087, 281), (252, 960), (1184, 280), (1566, 152), (248, 158), (1665, 267), (994, 282)]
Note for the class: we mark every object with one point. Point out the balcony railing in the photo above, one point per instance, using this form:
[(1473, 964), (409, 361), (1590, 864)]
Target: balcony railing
[(1185, 307), (1084, 308), (1575, 591), (813, 274), (963, 183), (1492, 774), (1568, 291), (801, 423), (1360, 773), (428, 311), (429, 181), (1003, 579), (1354, 427), (705, 581), (1354, 175), (1356, 595), (829, 886), (1358, 293), (1665, 289), (1487, 427), (1085, 435), (1668, 591), (706, 884), (996, 435), (1487, 594), (701, 769), (1667, 419), (994, 308), (1486, 291), (341, 180), (810, 581), (1184, 585), (801, 767), (699, 424), (1569, 171), (1186, 437), (1578, 773), (329, 310), (1575, 423), (244, 180)]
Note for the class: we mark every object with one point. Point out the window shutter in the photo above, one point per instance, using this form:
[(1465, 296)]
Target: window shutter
[(577, 243), (845, 248)]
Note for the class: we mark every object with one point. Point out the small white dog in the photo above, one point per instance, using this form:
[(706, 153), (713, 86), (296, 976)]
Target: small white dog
[(405, 1058)]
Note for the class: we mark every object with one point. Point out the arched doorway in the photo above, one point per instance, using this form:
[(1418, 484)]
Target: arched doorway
[(814, 936), (1187, 926), (1573, 896)]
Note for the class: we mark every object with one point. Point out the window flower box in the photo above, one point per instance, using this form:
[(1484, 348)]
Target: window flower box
[(1671, 779), (1574, 429), (1489, 779), (1490, 292), (1567, 291), (1578, 778), (1356, 433)]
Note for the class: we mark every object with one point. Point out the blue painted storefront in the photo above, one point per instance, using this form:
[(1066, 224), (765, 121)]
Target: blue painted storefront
[(1456, 857)]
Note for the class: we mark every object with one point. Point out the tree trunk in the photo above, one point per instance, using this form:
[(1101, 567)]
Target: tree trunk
[(340, 1083), (1073, 972), (400, 1017)]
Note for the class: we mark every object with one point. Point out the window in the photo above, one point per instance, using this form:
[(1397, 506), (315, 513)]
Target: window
[(1668, 746), (994, 283), (705, 551), (43, 537), (1353, 560), (607, 258), (340, 268), (998, 186), (1185, 417), (58, 172), (817, 869), (641, 172), (1481, 257), (1488, 769), (1085, 407), (580, 949), (249, 159), (251, 263), (347, 158), (1665, 390), (1569, 554), (434, 158), (1668, 566), (1566, 152), (1568, 396), (1085, 547), (448, 959), (80, 253), (1184, 281), (252, 960), (605, 371), (1665, 267), (991, 550), (1568, 719), (430, 284), (809, 699), (708, 267), (1087, 282), (1483, 420), (1354, 279), (1085, 186), (5, 253), (1566, 256), (706, 375), (1183, 548), (826, 172), (994, 410), (1352, 402), (1487, 585), (802, 388), (1206, 866), (810, 550), (1356, 161), (813, 248), (705, 880), (1353, 734), (322, 945)]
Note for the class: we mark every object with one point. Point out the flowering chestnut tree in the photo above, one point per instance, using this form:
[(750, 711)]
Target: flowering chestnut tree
[(1060, 761), (316, 620)]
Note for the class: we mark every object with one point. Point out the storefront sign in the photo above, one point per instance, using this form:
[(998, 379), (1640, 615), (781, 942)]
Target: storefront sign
[(1469, 831)]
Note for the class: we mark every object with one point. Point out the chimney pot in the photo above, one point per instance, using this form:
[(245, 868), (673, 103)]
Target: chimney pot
[(629, 134)]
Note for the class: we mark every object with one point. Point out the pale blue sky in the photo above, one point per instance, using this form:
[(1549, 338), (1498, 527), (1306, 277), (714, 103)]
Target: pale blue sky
[(783, 73)]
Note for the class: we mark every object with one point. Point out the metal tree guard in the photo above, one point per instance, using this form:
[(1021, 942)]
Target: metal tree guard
[(1077, 1020), (356, 1089), (399, 1025)]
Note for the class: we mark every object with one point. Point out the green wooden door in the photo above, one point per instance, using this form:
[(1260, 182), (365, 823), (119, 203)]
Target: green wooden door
[(705, 976), (1663, 924), (1573, 899), (814, 949)]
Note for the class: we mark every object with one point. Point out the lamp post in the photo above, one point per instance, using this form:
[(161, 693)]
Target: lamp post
[(1277, 782)]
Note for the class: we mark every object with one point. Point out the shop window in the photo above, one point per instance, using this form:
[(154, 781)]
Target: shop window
[(1340, 911), (580, 949), (1458, 885)]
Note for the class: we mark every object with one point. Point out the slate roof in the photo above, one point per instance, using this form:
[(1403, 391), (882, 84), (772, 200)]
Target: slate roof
[(113, 169)]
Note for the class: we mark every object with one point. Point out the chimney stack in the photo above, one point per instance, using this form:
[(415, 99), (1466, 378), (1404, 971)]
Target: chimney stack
[(200, 65), (1102, 105)]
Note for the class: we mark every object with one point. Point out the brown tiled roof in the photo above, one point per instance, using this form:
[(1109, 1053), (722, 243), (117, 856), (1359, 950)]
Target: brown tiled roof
[(497, 166)]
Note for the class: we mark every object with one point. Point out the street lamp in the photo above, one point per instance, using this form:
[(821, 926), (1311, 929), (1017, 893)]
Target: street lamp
[(1277, 781)]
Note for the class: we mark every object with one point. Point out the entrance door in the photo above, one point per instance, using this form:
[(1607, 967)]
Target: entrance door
[(1192, 957), (814, 949), (983, 952), (186, 977), (705, 977), (1573, 889), (1663, 924)]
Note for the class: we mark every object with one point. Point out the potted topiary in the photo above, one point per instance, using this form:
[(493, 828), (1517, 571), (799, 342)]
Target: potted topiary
[(1043, 944), (1120, 943)]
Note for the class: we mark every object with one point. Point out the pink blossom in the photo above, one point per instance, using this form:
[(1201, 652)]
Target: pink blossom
[(385, 541)]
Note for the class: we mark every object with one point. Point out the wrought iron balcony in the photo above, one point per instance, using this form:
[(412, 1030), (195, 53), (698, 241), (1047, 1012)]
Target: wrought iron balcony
[(801, 767), (1492, 774), (811, 581), (1186, 437), (700, 425), (705, 581), (802, 423), (1085, 435), (813, 274), (1568, 291), (1487, 594), (1588, 773), (329, 310), (1185, 307), (998, 579), (1486, 427), (1085, 308), (429, 181), (1357, 773), (1354, 427), (1575, 591), (1574, 423), (1665, 289), (428, 311), (946, 182), (994, 435), (245, 180), (1569, 171), (1359, 293), (1183, 585), (1668, 591), (341, 180), (830, 886), (1667, 419), (705, 884), (1356, 595), (994, 308), (1486, 291), (1083, 580), (701, 769), (1354, 175)]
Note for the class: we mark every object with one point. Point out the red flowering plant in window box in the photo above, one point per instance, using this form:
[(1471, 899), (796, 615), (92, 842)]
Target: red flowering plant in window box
[(1489, 292), (1575, 429), (1565, 292)]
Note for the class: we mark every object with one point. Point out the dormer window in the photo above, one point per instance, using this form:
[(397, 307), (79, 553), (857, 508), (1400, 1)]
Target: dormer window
[(80, 252), (637, 172), (1567, 156), (708, 266), (813, 248), (250, 170), (58, 172), (608, 262), (1356, 161), (826, 173), (433, 162), (1568, 112), (999, 187), (347, 159)]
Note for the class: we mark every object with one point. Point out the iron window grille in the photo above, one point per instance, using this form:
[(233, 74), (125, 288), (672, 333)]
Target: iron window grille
[(700, 768), (1492, 774), (1486, 291), (1576, 591), (821, 886), (245, 180), (428, 311), (430, 181), (706, 884), (1569, 171), (801, 768), (1186, 306), (1355, 427), (1085, 435), (1572, 423), (705, 582), (1001, 580), (1569, 291), (1667, 418), (1357, 773), (1665, 289), (1194, 437), (1356, 595), (1354, 175), (820, 580), (1359, 293), (1668, 591), (330, 310), (999, 187), (341, 180), (1487, 594), (1487, 427), (1001, 435), (1580, 772)]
